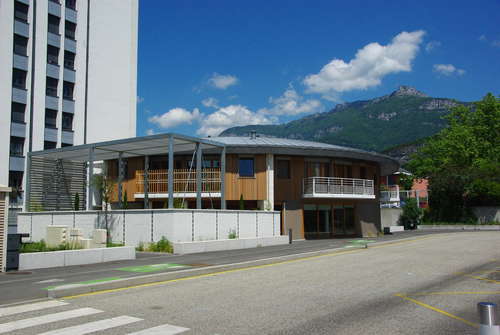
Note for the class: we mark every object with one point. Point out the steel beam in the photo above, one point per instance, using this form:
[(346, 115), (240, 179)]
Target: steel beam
[(198, 174), (223, 179), (171, 140)]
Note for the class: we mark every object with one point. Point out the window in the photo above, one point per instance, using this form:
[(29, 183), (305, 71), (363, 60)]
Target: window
[(71, 4), (70, 30), (283, 167), (20, 45), (53, 24), (18, 112), (211, 163), (68, 89), (21, 12), (51, 89), (16, 146), (52, 55), (51, 118), (67, 121), (69, 60), (19, 78), (246, 167), (16, 179), (49, 145), (66, 145)]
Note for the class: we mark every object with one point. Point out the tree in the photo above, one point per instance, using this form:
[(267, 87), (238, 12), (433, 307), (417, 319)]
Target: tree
[(125, 200), (462, 162), (242, 203), (411, 215), (406, 181), (105, 187)]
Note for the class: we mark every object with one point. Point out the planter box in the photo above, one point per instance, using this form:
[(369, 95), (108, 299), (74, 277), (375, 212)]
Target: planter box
[(51, 259), (217, 245), (459, 227)]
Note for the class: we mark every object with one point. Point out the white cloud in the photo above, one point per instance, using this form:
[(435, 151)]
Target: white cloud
[(482, 38), (210, 102), (291, 103), (495, 43), (222, 81), (448, 70), (368, 67), (432, 45), (175, 117), (140, 99), (231, 116), (150, 132)]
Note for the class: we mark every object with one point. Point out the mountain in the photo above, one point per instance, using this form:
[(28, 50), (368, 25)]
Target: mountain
[(404, 116)]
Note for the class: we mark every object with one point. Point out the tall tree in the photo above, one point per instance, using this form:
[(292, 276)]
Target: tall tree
[(462, 162)]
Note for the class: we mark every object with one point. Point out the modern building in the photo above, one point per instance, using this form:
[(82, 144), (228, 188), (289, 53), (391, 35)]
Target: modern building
[(68, 70), (322, 190)]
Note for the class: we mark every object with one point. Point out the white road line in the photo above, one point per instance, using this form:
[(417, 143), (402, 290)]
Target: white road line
[(95, 326), (30, 307), (162, 330), (41, 320), (48, 281)]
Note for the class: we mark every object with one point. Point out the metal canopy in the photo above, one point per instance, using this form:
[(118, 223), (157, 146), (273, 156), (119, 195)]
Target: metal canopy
[(131, 147)]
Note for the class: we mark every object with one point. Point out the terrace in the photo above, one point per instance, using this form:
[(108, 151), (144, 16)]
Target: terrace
[(338, 188)]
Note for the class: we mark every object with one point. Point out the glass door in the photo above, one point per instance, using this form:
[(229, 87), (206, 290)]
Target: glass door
[(344, 221)]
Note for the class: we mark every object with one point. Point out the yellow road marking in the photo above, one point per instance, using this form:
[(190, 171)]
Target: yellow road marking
[(243, 269), (455, 293), (432, 308), (485, 279)]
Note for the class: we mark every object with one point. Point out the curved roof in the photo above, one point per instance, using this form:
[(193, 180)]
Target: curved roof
[(285, 146)]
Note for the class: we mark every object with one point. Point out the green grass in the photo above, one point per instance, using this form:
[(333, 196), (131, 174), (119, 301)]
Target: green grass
[(42, 247)]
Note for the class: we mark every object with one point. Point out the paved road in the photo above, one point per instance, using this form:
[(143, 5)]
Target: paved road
[(426, 286), (27, 285)]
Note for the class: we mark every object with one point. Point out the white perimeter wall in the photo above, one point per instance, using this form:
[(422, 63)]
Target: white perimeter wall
[(132, 227)]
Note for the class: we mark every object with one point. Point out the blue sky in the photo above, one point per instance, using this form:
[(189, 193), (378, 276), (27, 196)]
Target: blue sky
[(208, 65)]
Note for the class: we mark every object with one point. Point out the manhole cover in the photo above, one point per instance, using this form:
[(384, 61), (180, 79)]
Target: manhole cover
[(18, 273)]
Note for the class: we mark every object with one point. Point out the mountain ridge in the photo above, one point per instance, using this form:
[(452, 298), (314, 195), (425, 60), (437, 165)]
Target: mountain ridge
[(403, 116)]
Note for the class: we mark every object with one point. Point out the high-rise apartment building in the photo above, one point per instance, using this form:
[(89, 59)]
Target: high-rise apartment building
[(68, 72)]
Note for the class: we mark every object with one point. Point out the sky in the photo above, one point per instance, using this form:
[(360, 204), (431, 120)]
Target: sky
[(205, 66)]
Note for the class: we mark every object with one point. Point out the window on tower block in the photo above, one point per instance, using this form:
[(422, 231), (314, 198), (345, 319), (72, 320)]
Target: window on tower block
[(16, 146), (51, 87), (53, 26), (69, 60), (18, 111), (21, 12), (51, 118), (71, 4), (68, 89), (52, 55), (70, 30), (19, 78), (67, 121), (20, 45)]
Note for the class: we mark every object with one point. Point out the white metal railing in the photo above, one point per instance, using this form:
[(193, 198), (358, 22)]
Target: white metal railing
[(334, 186), (391, 194)]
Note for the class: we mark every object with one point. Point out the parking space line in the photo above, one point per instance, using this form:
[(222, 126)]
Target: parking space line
[(485, 279), (432, 308)]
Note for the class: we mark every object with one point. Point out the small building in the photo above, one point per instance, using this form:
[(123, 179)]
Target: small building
[(322, 190)]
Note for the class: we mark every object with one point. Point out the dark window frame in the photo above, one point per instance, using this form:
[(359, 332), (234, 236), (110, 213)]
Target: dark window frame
[(246, 174), (19, 49), (68, 31), (51, 25), (279, 171), (20, 15), (16, 146), (69, 60), (68, 87), (49, 145), (19, 82), (51, 90), (51, 120), (71, 4), (53, 58), (65, 122), (16, 112)]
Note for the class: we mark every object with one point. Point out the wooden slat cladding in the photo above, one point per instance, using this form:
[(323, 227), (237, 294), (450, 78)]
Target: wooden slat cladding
[(184, 181), (252, 188), (3, 231), (55, 183)]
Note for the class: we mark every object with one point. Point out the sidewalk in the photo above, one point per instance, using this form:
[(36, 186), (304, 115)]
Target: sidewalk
[(29, 285)]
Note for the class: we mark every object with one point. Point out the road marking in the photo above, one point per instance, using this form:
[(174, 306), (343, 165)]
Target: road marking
[(333, 254), (31, 307), (456, 293), (48, 281), (485, 279), (153, 267), (95, 326), (423, 304), (41, 320), (93, 281), (162, 330)]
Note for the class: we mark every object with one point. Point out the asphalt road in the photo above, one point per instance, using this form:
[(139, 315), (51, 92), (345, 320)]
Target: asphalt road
[(429, 285), (28, 285)]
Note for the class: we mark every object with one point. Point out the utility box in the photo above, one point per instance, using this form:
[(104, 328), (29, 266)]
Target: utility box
[(99, 238), (4, 210), (57, 235)]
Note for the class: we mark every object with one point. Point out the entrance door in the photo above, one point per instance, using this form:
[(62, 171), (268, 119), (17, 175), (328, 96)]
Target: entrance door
[(343, 221), (317, 221)]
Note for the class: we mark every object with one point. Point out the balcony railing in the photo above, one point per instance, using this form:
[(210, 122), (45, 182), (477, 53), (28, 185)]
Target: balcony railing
[(184, 181), (390, 195), (333, 187)]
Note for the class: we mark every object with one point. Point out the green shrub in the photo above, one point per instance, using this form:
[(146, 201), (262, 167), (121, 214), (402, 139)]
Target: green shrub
[(411, 215), (232, 234), (42, 247), (163, 245), (242, 203)]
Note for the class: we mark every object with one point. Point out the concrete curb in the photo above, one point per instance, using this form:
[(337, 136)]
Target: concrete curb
[(78, 289)]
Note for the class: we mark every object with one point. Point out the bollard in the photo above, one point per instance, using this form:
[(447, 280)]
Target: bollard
[(290, 236), (488, 318)]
